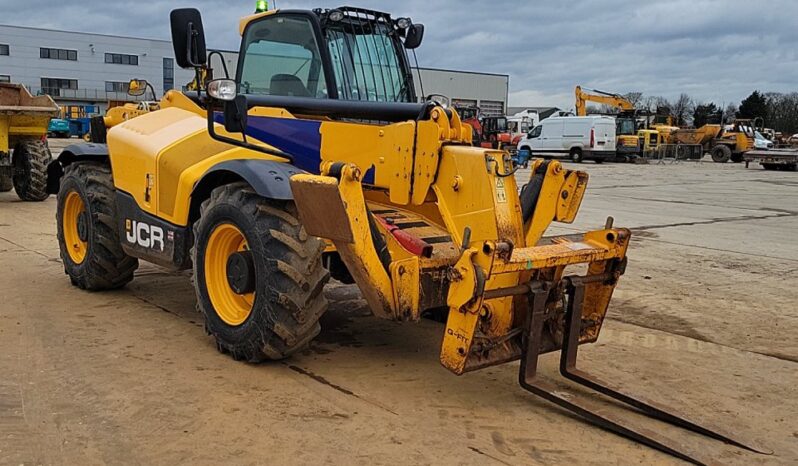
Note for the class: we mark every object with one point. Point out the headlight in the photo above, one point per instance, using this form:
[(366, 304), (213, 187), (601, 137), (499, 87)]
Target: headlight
[(222, 89), (336, 15), (403, 23)]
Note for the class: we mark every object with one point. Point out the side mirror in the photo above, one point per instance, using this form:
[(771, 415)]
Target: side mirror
[(235, 115), (137, 87), (414, 36), (188, 38)]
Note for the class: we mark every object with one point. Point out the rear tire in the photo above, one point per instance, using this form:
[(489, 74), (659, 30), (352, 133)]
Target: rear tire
[(277, 313), (721, 154), (6, 183), (770, 166), (30, 170), (576, 155), (737, 158), (92, 252)]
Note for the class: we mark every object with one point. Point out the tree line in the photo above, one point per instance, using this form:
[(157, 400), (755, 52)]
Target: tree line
[(779, 110)]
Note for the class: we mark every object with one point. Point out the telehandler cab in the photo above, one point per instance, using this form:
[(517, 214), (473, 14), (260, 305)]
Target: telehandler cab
[(321, 135)]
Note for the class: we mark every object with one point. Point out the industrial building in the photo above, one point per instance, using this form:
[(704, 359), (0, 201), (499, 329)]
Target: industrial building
[(78, 68)]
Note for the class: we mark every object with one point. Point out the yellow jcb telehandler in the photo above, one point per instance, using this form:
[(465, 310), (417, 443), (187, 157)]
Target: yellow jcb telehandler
[(319, 152)]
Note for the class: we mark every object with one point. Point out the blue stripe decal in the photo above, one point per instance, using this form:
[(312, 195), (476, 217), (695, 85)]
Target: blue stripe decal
[(300, 138)]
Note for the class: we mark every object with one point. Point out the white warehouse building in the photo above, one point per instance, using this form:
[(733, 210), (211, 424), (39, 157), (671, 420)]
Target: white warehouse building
[(79, 68)]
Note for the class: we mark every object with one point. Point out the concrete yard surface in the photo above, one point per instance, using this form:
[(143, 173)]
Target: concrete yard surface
[(705, 320)]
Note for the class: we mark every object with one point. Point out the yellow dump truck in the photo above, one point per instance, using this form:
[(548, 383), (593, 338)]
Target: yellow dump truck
[(721, 143), (24, 154)]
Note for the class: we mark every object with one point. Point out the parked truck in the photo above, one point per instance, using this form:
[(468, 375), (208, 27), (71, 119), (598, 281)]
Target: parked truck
[(773, 159), (24, 154)]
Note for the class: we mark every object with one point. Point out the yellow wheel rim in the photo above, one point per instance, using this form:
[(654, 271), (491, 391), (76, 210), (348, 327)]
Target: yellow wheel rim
[(231, 307), (73, 208)]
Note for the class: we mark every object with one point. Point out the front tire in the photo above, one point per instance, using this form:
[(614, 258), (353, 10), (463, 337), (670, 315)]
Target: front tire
[(576, 155), (257, 274), (721, 154), (30, 170), (88, 234)]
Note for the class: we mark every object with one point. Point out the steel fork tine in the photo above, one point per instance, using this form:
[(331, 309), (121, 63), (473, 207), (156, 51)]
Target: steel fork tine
[(568, 369), (587, 409)]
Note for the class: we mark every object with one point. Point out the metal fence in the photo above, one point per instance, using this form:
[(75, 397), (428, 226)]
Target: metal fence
[(674, 153)]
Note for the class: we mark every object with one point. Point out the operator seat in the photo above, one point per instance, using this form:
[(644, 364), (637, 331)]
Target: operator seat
[(288, 85)]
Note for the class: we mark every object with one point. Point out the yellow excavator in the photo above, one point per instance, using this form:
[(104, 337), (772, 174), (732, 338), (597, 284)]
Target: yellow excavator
[(627, 138), (297, 168)]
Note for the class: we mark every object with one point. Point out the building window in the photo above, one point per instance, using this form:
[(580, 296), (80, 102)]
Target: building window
[(121, 59), (3, 49), (492, 107), (4, 78), (116, 86), (53, 86), (168, 74), (58, 54)]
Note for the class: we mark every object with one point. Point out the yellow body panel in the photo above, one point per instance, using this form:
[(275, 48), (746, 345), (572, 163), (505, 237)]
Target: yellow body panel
[(627, 140), (158, 157), (700, 135)]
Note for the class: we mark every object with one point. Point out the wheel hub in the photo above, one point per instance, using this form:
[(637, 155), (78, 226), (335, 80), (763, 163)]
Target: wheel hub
[(241, 272), (83, 227)]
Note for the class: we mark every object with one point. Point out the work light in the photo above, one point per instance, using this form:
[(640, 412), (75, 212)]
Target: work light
[(261, 6), (336, 15), (222, 89)]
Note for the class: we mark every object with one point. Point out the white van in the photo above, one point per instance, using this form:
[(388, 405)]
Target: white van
[(579, 138)]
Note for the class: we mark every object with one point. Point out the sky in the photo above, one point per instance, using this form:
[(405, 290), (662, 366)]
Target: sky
[(713, 50)]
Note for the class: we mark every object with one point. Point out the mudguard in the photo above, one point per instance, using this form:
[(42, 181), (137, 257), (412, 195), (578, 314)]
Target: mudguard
[(269, 178), (70, 154)]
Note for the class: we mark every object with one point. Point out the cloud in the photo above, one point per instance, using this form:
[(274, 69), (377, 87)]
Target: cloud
[(714, 50)]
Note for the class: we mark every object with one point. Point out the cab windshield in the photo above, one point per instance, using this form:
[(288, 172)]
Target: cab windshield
[(366, 62), (625, 126)]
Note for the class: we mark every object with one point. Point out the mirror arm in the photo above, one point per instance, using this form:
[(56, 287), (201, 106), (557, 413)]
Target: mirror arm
[(152, 89), (221, 59), (236, 142)]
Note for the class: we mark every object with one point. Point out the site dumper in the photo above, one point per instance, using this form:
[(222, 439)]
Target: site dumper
[(24, 154), (316, 154)]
